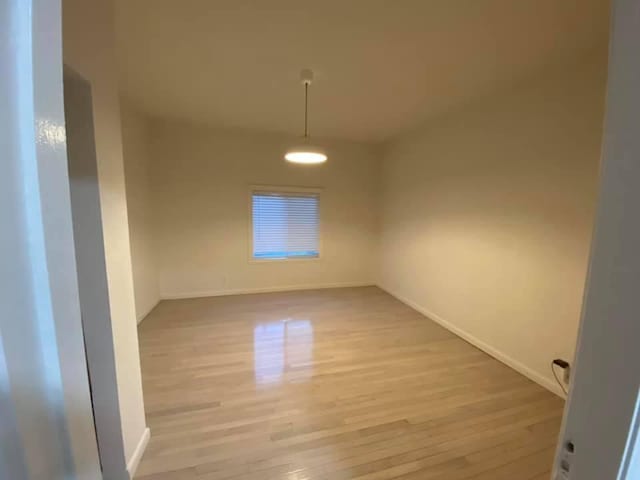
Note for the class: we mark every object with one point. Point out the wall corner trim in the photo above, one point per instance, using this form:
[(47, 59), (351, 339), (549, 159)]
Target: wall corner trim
[(134, 461), (476, 342)]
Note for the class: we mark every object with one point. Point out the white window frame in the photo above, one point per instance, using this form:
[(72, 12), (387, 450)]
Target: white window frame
[(282, 189)]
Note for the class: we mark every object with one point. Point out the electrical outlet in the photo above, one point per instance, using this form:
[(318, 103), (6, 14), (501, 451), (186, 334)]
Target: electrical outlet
[(566, 370), (566, 459)]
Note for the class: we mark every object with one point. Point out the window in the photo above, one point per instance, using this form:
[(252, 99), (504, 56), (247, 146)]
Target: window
[(285, 224)]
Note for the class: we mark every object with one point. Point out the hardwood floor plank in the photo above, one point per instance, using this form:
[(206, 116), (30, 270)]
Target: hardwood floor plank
[(329, 385)]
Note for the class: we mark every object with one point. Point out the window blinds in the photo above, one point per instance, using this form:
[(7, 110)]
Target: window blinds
[(285, 225)]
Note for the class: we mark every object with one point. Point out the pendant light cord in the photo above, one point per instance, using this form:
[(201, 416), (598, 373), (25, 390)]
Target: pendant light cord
[(306, 110)]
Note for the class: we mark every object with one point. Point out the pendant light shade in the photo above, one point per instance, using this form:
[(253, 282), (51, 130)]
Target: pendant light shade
[(306, 153)]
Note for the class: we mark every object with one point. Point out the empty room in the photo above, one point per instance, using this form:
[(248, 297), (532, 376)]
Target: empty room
[(346, 240)]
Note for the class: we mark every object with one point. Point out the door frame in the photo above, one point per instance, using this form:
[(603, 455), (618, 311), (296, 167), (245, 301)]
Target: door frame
[(600, 412), (44, 387), (91, 270)]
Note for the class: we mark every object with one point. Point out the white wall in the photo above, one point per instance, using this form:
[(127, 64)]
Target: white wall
[(89, 49), (487, 216), (201, 180), (135, 146)]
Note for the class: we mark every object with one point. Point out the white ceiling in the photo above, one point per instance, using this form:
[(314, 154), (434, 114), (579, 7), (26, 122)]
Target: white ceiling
[(381, 65)]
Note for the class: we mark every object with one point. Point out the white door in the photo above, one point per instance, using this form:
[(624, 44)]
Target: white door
[(46, 424), (603, 398)]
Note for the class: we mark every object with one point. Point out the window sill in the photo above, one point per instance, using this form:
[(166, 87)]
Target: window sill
[(284, 260)]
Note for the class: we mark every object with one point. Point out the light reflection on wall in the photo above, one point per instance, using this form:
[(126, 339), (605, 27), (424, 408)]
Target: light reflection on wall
[(282, 347)]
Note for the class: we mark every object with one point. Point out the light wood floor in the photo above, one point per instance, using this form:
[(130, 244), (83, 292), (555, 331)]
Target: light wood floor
[(332, 384)]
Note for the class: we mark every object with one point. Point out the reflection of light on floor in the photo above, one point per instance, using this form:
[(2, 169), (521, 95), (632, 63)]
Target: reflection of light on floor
[(301, 474), (283, 346)]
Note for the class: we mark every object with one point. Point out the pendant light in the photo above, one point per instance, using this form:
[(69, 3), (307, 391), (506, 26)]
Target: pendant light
[(306, 153)]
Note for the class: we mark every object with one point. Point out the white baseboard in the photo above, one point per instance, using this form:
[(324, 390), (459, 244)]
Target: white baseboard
[(134, 461), (248, 291), (144, 314), (476, 342)]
